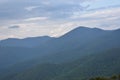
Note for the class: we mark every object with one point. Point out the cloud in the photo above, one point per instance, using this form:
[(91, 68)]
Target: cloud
[(14, 27), (107, 18), (36, 19), (30, 8), (22, 10), (54, 9)]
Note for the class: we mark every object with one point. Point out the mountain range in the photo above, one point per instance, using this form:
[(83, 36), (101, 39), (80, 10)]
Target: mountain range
[(78, 55)]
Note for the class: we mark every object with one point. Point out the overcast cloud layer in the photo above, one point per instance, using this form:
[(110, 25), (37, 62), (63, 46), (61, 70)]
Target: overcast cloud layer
[(29, 18)]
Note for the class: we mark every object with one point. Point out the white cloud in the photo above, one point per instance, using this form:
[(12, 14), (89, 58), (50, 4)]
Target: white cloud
[(36, 19), (30, 8), (103, 18), (99, 13)]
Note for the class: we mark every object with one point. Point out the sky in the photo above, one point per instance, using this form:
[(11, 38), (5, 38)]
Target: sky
[(31, 18)]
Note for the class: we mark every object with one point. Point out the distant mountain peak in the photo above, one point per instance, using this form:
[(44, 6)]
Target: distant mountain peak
[(117, 29), (82, 27), (86, 28), (81, 30)]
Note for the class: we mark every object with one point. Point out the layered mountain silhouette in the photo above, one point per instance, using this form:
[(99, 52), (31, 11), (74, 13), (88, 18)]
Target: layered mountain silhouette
[(27, 42), (78, 55)]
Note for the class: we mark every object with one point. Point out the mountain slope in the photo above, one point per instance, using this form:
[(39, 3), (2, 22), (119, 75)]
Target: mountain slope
[(69, 47), (27, 42), (103, 64), (76, 54)]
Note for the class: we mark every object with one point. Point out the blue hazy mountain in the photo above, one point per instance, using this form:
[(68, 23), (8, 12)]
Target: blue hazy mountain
[(27, 42), (76, 52)]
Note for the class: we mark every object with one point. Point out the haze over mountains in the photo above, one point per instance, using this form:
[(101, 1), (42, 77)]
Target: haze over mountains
[(78, 55)]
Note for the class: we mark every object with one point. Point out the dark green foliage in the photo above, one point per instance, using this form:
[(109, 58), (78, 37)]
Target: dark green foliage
[(114, 77)]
